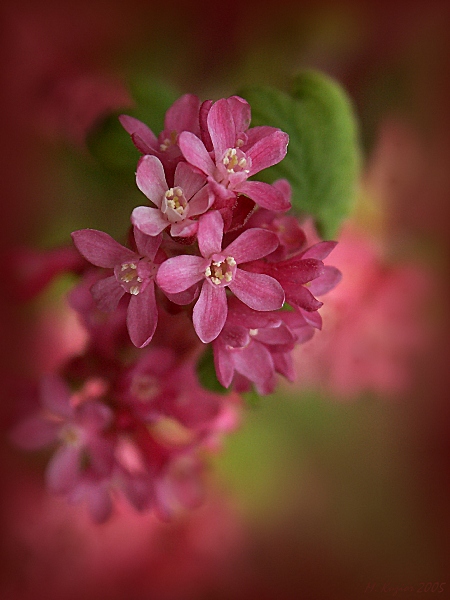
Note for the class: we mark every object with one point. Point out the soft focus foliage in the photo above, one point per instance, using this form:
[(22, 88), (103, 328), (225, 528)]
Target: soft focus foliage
[(323, 158)]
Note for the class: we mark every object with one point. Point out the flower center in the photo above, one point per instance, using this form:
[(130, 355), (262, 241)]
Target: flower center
[(134, 275), (235, 161), (168, 139), (174, 204), (145, 387), (221, 270), (70, 435)]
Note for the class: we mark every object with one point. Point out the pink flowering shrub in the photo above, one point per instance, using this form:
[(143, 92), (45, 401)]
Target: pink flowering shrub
[(375, 326), (212, 293)]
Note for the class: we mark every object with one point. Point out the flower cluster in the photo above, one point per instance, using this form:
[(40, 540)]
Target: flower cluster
[(215, 270)]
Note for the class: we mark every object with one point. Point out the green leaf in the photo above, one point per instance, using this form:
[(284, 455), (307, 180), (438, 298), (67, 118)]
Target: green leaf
[(152, 98), (206, 373), (323, 158), (110, 144)]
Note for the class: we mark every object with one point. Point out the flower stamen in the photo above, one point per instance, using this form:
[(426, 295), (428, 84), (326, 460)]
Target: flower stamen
[(221, 272)]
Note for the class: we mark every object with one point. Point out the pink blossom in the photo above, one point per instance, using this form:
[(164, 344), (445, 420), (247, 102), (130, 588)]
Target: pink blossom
[(301, 276), (238, 153), (107, 331), (290, 234), (189, 197), (134, 273), (256, 345), (183, 115), (162, 391), (30, 270), (371, 332), (78, 429), (217, 268)]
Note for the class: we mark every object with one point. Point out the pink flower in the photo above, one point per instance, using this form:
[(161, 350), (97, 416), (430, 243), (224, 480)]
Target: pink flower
[(373, 324), (183, 115), (160, 390), (78, 427), (218, 269), (238, 153), (31, 271), (290, 234), (134, 273), (256, 345), (302, 275), (189, 197), (107, 331)]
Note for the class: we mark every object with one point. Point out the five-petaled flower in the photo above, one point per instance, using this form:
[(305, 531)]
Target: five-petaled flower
[(217, 269), (238, 153), (183, 115), (134, 273), (189, 197)]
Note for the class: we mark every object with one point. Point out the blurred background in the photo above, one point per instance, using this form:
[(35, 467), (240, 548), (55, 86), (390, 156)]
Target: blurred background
[(336, 486)]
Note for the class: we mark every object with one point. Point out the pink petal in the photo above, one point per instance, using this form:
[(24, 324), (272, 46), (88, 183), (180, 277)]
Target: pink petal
[(241, 314), (55, 396), (210, 233), (101, 455), (210, 312), (313, 318), (100, 249), (147, 245), (283, 186), (63, 469), (241, 113), (151, 180), (134, 126), (265, 195), (305, 333), (254, 362), (183, 115), (107, 293), (284, 365), (258, 291), (188, 179), (201, 201), (325, 282), (179, 273), (268, 151), (221, 128), (223, 365), (203, 118), (255, 134), (142, 146), (34, 433), (195, 153), (220, 191), (186, 297), (301, 271), (142, 316), (150, 221), (138, 490), (251, 245), (235, 336), (186, 228), (320, 250), (300, 296), (94, 416), (99, 503), (275, 336)]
